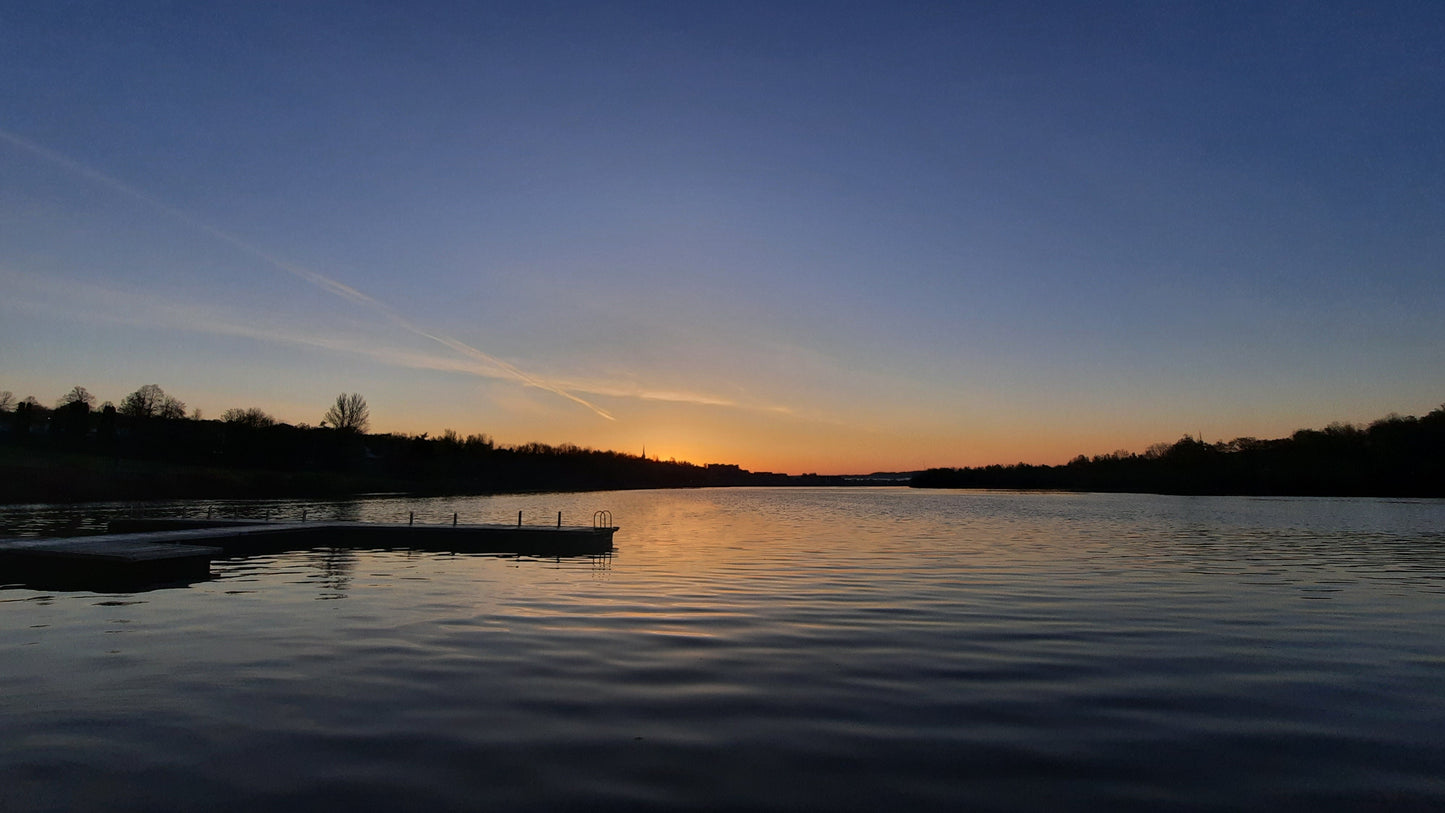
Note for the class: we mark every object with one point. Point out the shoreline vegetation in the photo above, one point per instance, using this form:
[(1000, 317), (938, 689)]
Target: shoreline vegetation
[(1394, 456), (149, 448)]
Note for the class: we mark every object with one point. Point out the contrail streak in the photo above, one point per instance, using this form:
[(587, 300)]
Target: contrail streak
[(325, 283)]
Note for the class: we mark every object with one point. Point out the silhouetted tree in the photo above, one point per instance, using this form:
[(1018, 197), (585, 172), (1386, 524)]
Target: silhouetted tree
[(1394, 456), (349, 413), (148, 402), (7, 400), (252, 417), (27, 412), (105, 428), (77, 395), (172, 408), (71, 420)]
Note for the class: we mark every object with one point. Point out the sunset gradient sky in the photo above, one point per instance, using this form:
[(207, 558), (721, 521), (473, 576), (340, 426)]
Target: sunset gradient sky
[(832, 237)]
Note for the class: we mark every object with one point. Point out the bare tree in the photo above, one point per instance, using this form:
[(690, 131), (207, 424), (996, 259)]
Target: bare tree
[(252, 417), (144, 402), (349, 413), (150, 401), (77, 394), (7, 400), (172, 408)]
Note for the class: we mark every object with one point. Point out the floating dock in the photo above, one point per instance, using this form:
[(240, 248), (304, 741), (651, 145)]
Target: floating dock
[(241, 536), (105, 562), (141, 550)]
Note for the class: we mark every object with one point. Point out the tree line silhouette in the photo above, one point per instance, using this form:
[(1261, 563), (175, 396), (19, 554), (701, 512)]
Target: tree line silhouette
[(148, 447), (1394, 456)]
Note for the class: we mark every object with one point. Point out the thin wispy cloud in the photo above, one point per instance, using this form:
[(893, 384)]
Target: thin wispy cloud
[(643, 393), (334, 287), (85, 301)]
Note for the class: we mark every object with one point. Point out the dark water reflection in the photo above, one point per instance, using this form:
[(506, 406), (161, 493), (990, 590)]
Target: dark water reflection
[(809, 649)]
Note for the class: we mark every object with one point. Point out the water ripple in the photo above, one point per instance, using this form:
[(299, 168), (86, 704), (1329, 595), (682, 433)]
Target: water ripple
[(808, 649)]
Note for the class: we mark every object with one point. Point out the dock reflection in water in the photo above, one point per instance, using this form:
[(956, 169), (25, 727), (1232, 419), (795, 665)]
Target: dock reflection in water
[(764, 650)]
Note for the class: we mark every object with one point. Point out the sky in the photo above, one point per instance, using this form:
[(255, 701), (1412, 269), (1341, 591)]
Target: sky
[(834, 237)]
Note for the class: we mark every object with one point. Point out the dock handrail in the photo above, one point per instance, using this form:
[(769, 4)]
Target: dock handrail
[(601, 520)]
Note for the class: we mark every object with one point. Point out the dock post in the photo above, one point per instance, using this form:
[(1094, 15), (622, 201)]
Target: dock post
[(519, 519), (410, 518), (303, 514), (268, 515), (559, 519), (454, 519), (208, 512)]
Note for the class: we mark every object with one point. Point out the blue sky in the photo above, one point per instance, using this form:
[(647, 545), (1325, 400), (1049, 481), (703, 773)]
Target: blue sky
[(796, 236)]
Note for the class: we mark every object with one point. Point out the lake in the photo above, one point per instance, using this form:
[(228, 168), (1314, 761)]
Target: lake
[(755, 649)]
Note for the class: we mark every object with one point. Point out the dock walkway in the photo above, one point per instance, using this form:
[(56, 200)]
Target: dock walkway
[(165, 549)]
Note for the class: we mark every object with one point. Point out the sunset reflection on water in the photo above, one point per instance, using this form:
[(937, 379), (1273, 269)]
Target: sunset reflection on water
[(814, 649)]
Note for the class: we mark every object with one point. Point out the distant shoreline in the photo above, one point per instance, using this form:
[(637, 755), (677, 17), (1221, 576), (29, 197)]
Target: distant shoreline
[(50, 477), (73, 455), (1395, 456)]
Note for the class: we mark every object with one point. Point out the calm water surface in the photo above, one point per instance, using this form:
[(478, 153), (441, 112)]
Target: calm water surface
[(828, 649)]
